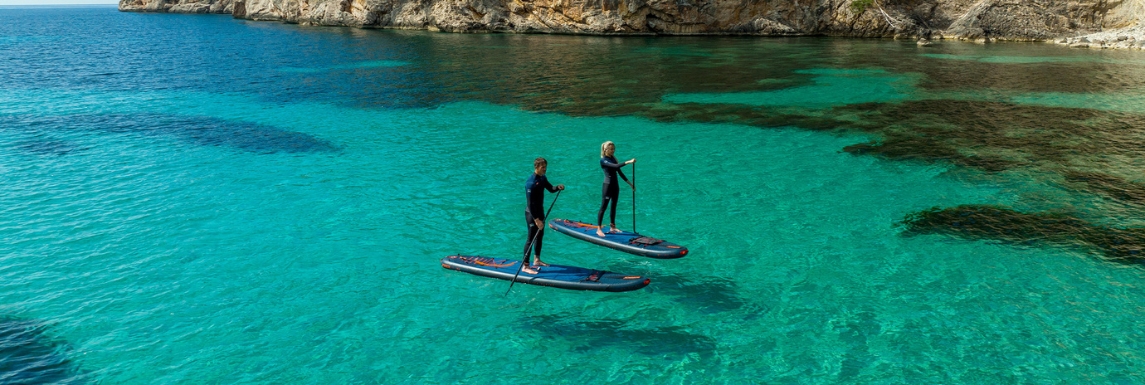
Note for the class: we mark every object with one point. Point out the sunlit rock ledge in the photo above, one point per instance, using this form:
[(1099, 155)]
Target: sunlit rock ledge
[(923, 20), (1122, 38)]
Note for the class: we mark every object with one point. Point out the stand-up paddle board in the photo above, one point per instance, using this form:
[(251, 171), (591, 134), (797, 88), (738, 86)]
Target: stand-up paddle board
[(626, 241), (564, 277)]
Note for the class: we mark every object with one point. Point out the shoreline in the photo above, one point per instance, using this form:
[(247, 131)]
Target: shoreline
[(1128, 38), (978, 21)]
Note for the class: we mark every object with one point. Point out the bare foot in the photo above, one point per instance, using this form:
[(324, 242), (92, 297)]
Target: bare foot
[(539, 263), (599, 233), (613, 229), (528, 270)]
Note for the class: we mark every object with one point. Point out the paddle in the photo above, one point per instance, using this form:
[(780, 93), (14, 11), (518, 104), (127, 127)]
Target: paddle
[(529, 246), (634, 197)]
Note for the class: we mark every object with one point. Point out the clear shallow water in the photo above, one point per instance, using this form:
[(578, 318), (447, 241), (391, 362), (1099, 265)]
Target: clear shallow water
[(198, 199)]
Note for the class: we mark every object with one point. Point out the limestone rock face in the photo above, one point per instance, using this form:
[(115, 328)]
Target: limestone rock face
[(178, 6), (985, 20), (1032, 20)]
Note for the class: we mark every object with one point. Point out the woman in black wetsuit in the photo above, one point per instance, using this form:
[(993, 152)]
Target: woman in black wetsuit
[(611, 189)]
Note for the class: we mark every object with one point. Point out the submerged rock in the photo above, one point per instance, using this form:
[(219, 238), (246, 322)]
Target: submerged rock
[(29, 356), (1008, 225)]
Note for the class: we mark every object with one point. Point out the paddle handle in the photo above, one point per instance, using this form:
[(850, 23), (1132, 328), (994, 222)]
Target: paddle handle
[(529, 246)]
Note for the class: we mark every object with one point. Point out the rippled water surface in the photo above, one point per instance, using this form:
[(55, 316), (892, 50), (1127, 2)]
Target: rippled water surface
[(198, 199)]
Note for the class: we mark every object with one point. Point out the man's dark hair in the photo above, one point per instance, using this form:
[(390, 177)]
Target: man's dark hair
[(537, 163)]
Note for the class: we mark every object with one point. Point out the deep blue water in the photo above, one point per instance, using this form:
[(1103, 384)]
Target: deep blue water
[(199, 199)]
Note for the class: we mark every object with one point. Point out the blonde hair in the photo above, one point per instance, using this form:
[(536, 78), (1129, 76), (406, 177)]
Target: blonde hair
[(604, 146)]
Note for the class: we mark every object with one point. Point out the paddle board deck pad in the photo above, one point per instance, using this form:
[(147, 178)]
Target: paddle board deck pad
[(625, 241), (564, 277)]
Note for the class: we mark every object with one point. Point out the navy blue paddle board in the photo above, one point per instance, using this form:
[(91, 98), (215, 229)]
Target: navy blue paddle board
[(564, 277), (626, 241)]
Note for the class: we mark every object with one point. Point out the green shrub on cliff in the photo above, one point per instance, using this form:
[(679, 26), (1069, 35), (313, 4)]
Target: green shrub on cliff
[(858, 6)]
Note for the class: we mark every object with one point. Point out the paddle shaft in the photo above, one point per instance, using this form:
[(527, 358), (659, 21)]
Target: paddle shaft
[(634, 197), (529, 246)]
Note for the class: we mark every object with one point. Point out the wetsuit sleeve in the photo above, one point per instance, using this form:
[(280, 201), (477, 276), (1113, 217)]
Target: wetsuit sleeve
[(549, 186), (604, 162), (621, 174)]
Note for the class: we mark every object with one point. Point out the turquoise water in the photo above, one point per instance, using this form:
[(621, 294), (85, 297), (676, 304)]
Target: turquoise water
[(829, 88), (220, 201), (351, 66)]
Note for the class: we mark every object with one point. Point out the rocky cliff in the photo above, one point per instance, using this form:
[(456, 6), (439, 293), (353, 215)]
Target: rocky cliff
[(1023, 20)]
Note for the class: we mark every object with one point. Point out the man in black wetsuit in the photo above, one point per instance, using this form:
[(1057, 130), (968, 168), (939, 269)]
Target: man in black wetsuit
[(535, 188)]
